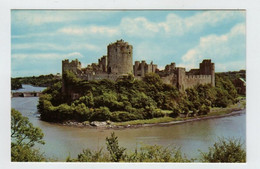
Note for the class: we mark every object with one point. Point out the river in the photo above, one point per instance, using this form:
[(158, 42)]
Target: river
[(62, 141)]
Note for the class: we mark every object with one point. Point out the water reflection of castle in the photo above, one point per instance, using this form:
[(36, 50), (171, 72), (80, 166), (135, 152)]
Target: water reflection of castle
[(119, 62)]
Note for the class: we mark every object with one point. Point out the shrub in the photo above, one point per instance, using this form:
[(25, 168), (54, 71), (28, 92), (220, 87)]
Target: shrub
[(120, 116), (157, 113), (24, 136), (81, 112), (203, 110), (116, 152), (225, 150), (157, 153), (100, 114)]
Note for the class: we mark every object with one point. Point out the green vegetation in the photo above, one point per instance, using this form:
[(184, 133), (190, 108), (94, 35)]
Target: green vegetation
[(214, 111), (24, 136), (15, 84), (226, 150), (116, 152), (128, 99), (147, 121), (233, 75), (119, 154), (41, 81)]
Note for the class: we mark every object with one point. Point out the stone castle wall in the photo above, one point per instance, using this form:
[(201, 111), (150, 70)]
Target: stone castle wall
[(119, 62), (193, 80), (73, 66), (170, 79), (140, 69)]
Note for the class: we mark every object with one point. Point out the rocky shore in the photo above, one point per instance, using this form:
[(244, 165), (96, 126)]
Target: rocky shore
[(111, 125)]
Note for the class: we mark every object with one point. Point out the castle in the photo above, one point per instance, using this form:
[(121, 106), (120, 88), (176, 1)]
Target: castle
[(119, 62)]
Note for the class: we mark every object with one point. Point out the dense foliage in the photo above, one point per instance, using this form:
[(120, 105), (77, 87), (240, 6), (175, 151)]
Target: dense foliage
[(15, 84), (226, 150), (42, 81), (24, 136), (130, 99)]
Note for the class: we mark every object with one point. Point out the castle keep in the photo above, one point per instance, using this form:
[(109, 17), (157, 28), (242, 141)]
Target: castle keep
[(119, 62)]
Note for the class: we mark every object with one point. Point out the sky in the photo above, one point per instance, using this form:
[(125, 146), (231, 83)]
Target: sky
[(41, 39)]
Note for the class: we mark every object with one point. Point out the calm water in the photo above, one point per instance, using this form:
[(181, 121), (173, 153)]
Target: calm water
[(29, 88), (62, 141)]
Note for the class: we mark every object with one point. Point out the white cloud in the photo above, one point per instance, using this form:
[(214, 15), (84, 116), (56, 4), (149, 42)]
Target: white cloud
[(47, 55), (40, 17), (74, 54), (225, 50), (200, 20), (97, 30), (52, 46), (175, 25), (139, 26), (31, 35)]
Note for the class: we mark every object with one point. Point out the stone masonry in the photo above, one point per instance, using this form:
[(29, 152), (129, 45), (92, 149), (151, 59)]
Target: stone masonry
[(119, 62)]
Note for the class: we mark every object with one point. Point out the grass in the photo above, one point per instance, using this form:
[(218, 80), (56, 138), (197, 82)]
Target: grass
[(166, 111), (147, 121)]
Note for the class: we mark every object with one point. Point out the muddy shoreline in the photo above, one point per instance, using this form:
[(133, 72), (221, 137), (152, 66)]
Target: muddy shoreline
[(104, 125)]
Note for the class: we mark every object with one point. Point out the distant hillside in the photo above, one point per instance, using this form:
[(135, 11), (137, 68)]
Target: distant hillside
[(41, 81), (233, 75)]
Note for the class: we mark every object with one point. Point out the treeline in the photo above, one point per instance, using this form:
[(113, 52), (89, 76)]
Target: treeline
[(130, 99), (233, 75), (15, 84), (41, 81)]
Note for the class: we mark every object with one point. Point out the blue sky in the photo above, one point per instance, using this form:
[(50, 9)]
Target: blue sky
[(41, 39)]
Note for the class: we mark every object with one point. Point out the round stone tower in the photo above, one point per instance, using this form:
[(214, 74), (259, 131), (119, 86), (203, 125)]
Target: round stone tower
[(119, 58)]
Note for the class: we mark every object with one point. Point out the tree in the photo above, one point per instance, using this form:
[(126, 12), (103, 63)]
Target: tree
[(100, 114), (204, 110), (24, 136), (225, 150), (15, 84), (115, 151)]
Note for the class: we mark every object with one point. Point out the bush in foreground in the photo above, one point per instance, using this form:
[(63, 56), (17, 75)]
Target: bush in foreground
[(226, 150), (116, 153), (24, 136)]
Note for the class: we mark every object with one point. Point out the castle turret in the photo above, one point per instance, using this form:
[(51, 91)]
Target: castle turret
[(119, 58), (180, 78), (73, 66), (208, 68)]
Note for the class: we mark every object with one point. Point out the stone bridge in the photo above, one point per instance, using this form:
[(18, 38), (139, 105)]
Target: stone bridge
[(26, 94)]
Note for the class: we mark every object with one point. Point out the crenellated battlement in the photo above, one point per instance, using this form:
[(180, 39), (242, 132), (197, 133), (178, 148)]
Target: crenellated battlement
[(197, 76), (119, 61)]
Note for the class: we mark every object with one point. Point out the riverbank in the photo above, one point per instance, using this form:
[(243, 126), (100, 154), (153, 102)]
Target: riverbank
[(236, 109)]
